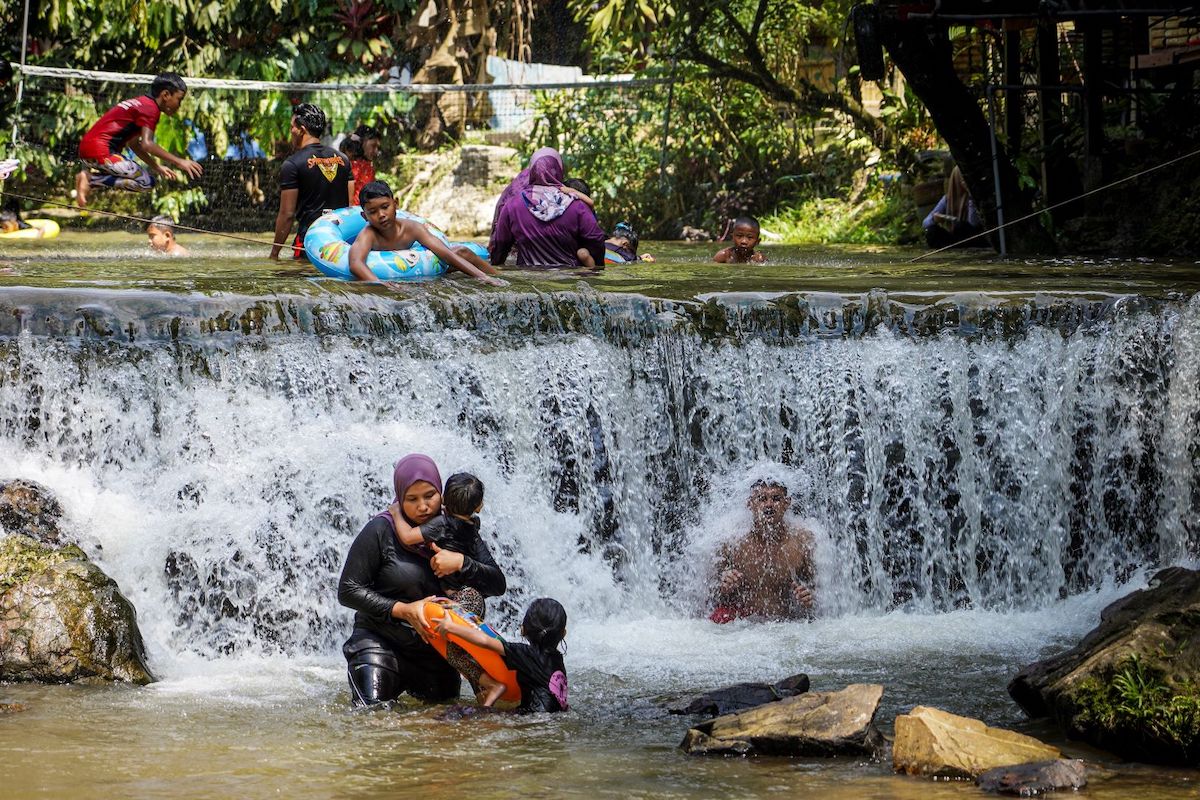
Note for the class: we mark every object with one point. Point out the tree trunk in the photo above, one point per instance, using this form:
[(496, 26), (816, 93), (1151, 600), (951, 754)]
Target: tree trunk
[(922, 52)]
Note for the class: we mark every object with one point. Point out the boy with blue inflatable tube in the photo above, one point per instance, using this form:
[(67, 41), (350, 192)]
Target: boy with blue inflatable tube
[(385, 232)]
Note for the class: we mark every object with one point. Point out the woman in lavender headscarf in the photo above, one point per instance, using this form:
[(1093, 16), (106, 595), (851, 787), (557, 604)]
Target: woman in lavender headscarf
[(547, 225), (383, 582)]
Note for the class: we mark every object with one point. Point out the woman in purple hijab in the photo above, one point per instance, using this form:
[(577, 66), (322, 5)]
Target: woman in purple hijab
[(383, 582), (547, 225), (519, 183)]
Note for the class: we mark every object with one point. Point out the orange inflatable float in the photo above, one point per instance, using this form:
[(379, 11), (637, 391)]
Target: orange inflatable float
[(491, 661)]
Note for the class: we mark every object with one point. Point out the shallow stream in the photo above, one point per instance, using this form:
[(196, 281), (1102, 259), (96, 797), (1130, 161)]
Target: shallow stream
[(988, 452)]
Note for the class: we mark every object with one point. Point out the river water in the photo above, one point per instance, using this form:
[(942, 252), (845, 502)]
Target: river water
[(988, 453)]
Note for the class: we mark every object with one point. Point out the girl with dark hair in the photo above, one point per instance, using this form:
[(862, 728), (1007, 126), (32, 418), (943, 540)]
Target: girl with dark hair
[(363, 148), (541, 673)]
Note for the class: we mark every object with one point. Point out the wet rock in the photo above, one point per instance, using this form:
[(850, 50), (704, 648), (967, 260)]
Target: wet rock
[(1147, 642), (934, 742), (810, 724), (13, 708), (1038, 777), (739, 697), (30, 508), (62, 619), (690, 234)]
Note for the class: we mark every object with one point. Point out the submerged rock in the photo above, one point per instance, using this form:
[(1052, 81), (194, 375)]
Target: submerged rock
[(1039, 777), (739, 697), (1130, 685), (930, 741), (13, 708), (61, 618), (810, 724)]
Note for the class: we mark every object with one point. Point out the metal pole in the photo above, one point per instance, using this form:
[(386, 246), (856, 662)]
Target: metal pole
[(21, 82), (991, 95), (662, 158)]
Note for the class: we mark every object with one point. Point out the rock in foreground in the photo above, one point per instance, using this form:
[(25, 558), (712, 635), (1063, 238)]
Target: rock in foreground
[(934, 742), (1130, 686), (1027, 780), (810, 724)]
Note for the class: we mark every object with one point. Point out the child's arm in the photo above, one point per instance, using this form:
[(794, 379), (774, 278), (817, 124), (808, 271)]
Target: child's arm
[(578, 195), (472, 635), (758, 257), (723, 256), (363, 244), (409, 535), (439, 249), (148, 149)]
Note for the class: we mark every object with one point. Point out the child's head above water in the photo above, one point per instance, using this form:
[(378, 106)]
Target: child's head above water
[(625, 231), (378, 205), (161, 231), (545, 624), (745, 233), (462, 495)]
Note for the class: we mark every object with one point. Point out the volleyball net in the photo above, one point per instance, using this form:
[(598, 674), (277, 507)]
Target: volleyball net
[(239, 131)]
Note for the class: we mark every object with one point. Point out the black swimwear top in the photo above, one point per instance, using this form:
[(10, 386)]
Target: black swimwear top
[(379, 572), (542, 677), (456, 535)]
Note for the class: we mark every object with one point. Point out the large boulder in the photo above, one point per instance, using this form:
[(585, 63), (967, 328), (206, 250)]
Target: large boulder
[(1130, 686), (934, 742), (61, 618), (810, 724), (739, 697)]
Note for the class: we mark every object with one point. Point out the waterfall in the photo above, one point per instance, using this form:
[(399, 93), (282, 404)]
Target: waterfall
[(219, 453)]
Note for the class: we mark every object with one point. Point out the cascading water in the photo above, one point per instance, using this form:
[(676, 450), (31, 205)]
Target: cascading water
[(221, 453)]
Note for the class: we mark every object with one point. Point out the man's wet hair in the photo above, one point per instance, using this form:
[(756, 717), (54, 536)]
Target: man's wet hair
[(164, 223), (579, 185), (763, 483), (545, 624), (167, 82), (463, 494), (748, 221), (373, 191), (352, 145), (311, 118)]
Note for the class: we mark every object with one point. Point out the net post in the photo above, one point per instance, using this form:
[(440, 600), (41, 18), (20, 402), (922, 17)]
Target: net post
[(21, 82)]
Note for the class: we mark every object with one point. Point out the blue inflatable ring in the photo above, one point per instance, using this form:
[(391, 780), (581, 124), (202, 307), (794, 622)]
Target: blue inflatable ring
[(327, 245)]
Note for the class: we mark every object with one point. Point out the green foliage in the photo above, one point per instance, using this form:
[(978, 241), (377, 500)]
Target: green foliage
[(179, 202), (1137, 698)]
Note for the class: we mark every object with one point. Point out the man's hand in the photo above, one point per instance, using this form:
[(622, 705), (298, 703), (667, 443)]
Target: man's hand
[(803, 596), (730, 580)]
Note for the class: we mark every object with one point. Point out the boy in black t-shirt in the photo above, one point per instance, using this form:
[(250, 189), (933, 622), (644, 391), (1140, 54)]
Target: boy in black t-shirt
[(312, 180)]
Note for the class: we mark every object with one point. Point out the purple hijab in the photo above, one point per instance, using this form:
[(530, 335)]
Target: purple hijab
[(522, 180), (412, 468), (543, 196)]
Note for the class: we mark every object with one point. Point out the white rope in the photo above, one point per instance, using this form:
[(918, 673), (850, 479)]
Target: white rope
[(379, 88)]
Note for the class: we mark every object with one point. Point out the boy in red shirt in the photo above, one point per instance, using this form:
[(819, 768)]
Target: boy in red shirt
[(131, 124)]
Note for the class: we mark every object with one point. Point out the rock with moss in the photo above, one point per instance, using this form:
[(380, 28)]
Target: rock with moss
[(1132, 685), (61, 618)]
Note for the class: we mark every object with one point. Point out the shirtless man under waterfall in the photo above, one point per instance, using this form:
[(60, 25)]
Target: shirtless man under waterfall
[(768, 573)]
